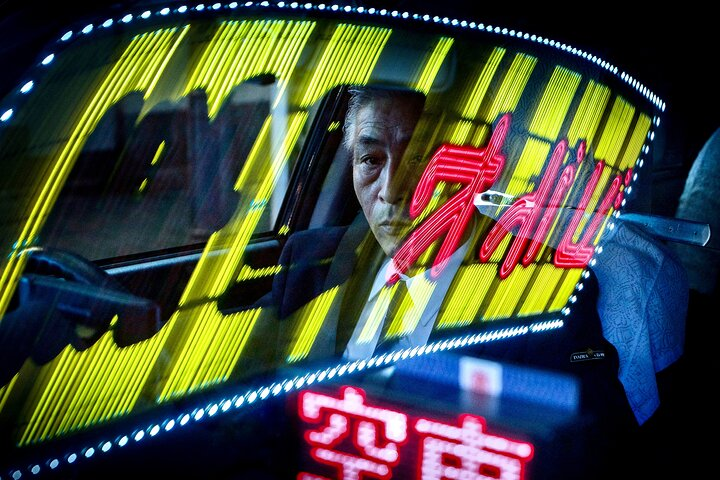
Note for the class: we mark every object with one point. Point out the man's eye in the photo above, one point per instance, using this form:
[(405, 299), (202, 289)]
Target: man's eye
[(370, 160)]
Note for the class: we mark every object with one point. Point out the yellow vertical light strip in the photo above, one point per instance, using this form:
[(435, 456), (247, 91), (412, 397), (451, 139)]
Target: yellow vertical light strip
[(588, 114), (637, 140), (118, 82), (78, 389), (541, 289), (412, 308), (218, 48), (226, 273), (229, 71), (479, 90), (512, 86), (241, 50), (213, 273), (158, 153), (343, 50), (163, 61), (572, 276), (243, 322), (507, 295), (77, 402), (596, 197), (528, 167), (613, 134), (177, 373), (5, 391), (310, 319), (460, 132), (554, 103), (99, 382), (466, 295), (43, 395), (433, 64), (377, 314)]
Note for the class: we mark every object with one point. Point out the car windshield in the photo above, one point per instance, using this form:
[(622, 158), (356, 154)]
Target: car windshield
[(234, 203)]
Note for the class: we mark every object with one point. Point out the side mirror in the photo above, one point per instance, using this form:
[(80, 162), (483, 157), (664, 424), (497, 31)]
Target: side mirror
[(63, 299)]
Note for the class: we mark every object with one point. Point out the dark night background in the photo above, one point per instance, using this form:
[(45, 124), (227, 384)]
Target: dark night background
[(671, 51)]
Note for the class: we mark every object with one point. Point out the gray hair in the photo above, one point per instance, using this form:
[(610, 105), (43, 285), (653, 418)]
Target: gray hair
[(361, 95)]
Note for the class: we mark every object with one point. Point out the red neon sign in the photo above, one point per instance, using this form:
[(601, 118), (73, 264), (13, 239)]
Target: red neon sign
[(376, 436), (477, 169), (531, 215)]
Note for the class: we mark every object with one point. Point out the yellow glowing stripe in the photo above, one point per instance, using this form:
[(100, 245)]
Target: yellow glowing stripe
[(632, 152), (255, 156), (120, 80), (165, 60), (224, 277), (481, 135), (252, 55), (572, 276), (411, 308), (210, 351), (143, 184), (344, 49), (284, 230), (5, 391), (528, 168), (100, 383), (158, 63), (205, 66), (248, 273), (541, 289), (243, 322), (158, 153), (311, 318), (596, 197), (472, 107), (461, 132), (180, 372), (77, 403), (588, 114), (241, 50), (512, 86), (499, 254), (43, 395), (466, 295), (507, 295), (377, 314), (432, 66), (437, 197), (613, 135), (554, 103)]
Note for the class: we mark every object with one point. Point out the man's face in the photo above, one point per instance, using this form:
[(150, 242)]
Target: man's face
[(383, 181)]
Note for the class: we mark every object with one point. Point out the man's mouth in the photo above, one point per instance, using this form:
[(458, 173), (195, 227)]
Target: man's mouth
[(395, 227)]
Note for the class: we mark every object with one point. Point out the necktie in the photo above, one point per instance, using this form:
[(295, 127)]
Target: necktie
[(400, 303)]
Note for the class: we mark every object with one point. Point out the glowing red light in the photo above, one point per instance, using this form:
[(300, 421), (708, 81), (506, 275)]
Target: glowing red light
[(477, 170), (377, 435)]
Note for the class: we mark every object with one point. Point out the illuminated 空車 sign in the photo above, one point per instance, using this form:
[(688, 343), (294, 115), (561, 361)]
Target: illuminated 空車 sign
[(357, 440)]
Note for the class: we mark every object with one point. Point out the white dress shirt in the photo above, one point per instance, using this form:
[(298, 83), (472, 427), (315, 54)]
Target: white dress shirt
[(427, 295)]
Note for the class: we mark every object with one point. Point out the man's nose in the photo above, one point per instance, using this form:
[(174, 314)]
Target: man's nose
[(395, 186)]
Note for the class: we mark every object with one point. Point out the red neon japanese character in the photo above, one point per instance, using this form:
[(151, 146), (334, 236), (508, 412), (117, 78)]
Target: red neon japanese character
[(467, 452), (570, 254), (532, 214), (360, 441), (477, 169)]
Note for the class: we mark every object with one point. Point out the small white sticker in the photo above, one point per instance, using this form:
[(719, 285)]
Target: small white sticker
[(480, 376)]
